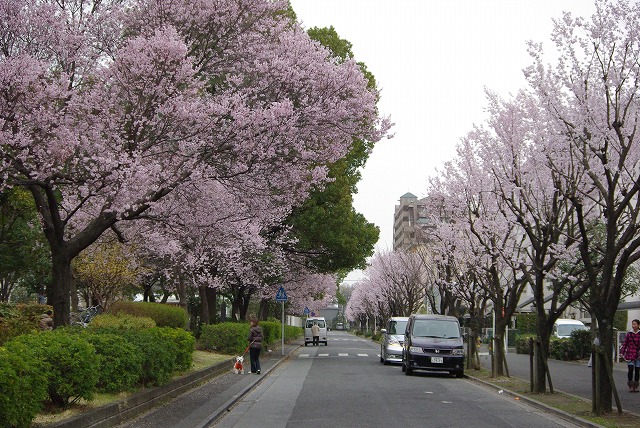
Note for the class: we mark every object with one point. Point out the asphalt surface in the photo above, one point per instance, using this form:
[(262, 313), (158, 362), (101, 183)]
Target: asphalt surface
[(345, 385), (207, 404)]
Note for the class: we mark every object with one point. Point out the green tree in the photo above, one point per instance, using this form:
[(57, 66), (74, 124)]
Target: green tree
[(331, 235), (24, 254)]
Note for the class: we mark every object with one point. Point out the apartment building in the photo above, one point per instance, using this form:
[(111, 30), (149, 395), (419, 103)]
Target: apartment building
[(409, 219)]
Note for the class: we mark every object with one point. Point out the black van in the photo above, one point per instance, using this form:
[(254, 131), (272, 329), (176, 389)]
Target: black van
[(433, 342)]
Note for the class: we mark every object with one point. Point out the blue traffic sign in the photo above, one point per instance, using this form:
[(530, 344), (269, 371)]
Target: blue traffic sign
[(281, 295), (306, 311)]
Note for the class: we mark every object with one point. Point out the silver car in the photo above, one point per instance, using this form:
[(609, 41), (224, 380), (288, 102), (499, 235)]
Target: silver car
[(392, 340)]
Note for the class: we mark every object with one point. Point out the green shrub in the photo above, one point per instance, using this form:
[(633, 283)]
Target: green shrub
[(292, 332), (164, 315), (120, 362), (272, 332), (226, 338), (582, 343), (522, 343), (19, 319), (23, 386), (70, 363), (184, 345), (120, 322), (526, 323), (158, 355), (376, 336), (563, 349)]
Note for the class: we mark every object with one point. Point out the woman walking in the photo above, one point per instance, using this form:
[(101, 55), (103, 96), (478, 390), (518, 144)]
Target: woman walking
[(630, 351), (255, 345)]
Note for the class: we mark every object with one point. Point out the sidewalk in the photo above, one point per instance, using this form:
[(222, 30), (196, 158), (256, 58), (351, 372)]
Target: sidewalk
[(193, 401), (571, 377)]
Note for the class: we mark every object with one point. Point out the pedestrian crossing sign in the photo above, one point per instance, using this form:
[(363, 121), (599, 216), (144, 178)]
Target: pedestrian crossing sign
[(281, 295)]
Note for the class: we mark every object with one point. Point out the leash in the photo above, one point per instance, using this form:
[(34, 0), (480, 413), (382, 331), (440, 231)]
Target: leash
[(245, 351)]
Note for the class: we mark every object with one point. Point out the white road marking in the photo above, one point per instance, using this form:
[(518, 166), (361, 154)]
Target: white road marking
[(363, 355), (342, 355), (304, 355), (323, 355)]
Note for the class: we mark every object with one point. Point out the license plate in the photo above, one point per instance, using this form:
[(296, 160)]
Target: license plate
[(436, 360)]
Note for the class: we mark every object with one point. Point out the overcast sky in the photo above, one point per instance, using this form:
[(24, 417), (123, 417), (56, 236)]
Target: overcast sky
[(432, 60)]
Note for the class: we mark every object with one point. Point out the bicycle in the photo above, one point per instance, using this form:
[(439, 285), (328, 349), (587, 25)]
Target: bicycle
[(84, 316)]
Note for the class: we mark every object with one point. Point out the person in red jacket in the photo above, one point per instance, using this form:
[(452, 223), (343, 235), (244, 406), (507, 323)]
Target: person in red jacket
[(255, 345), (630, 351)]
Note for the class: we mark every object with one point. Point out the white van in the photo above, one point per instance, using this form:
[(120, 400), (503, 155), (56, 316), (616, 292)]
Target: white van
[(308, 337), (563, 327)]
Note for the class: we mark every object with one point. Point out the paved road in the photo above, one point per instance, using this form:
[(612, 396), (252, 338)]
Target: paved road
[(345, 385), (572, 377)]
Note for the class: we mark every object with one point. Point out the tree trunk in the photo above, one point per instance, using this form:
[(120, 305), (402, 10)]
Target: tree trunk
[(264, 310), (605, 335), (204, 306), (211, 296), (58, 296), (498, 359)]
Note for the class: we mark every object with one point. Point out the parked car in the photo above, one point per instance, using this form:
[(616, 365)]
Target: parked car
[(392, 340), (434, 343), (308, 337), (563, 327)]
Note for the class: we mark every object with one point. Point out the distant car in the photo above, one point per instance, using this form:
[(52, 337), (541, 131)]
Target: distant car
[(434, 343), (308, 337), (392, 340), (339, 326), (563, 327)]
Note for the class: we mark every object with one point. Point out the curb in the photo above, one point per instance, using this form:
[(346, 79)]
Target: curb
[(548, 409)]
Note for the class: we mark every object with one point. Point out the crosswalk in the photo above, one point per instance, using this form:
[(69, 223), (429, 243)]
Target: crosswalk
[(338, 354)]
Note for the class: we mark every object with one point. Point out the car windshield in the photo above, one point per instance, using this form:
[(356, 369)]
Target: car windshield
[(397, 327), (436, 328), (567, 329), (319, 322)]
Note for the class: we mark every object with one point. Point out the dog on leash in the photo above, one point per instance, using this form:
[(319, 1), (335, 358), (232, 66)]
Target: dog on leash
[(238, 367)]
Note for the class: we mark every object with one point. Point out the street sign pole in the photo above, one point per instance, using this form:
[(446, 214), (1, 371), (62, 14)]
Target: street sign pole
[(281, 296)]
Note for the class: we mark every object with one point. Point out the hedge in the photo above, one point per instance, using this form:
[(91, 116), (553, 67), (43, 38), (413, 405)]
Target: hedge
[(158, 355), (23, 383), (164, 315), (70, 363), (231, 337), (228, 338), (120, 322), (184, 345), (120, 362)]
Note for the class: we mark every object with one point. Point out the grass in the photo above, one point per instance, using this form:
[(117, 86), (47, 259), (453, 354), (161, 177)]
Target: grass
[(568, 403), (51, 414)]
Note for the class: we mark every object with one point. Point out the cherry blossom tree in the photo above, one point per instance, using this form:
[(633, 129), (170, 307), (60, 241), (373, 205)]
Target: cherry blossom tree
[(108, 107), (591, 103), (482, 220), (512, 150)]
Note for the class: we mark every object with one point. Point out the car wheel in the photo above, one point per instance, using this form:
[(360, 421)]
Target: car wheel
[(404, 368), (381, 357), (408, 370), (305, 343), (460, 373)]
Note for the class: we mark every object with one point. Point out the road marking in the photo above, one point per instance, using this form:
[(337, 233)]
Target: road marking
[(323, 355), (304, 355), (342, 355), (363, 355)]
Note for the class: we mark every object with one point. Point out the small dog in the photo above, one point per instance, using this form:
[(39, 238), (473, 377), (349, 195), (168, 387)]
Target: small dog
[(238, 367)]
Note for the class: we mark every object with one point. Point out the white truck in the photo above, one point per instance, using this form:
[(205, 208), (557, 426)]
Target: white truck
[(308, 337)]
